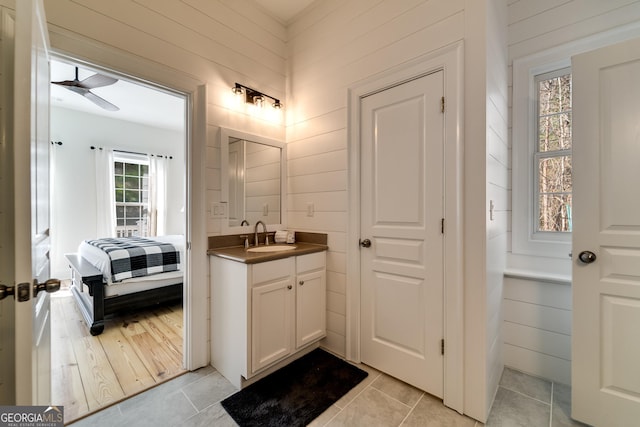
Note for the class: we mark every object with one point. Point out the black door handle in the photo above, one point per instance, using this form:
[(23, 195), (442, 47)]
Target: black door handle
[(587, 257), (366, 243)]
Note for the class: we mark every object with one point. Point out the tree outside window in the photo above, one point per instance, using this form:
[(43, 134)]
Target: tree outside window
[(553, 152)]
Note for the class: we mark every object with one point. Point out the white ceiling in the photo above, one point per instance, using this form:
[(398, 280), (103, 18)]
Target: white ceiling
[(137, 103), (284, 10)]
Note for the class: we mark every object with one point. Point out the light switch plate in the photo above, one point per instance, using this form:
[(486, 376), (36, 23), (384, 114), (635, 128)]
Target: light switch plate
[(218, 210)]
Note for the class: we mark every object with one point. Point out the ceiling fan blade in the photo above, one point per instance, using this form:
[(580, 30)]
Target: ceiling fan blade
[(65, 83), (100, 102), (97, 80)]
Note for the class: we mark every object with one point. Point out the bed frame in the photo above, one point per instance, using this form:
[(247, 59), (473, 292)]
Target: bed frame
[(83, 272)]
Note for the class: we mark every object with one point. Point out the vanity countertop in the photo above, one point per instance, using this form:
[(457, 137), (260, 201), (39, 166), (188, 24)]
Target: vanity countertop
[(240, 254)]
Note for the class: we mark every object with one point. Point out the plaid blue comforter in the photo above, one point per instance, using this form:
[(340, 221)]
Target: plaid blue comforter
[(137, 256)]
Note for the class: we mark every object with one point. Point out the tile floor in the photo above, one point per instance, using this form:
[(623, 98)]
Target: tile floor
[(194, 399)]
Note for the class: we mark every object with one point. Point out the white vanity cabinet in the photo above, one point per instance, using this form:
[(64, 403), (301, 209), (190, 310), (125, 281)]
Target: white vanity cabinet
[(263, 314)]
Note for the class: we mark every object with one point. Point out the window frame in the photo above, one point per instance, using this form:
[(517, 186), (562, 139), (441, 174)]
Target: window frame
[(525, 237)]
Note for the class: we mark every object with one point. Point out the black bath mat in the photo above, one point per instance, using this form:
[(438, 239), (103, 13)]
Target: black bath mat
[(296, 394)]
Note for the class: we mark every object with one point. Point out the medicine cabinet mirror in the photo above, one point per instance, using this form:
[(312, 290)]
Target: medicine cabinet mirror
[(253, 181)]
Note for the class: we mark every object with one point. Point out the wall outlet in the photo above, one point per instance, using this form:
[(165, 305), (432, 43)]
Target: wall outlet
[(265, 209), (310, 209)]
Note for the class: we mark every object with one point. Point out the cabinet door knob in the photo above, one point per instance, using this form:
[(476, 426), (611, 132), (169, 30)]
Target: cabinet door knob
[(301, 282), (289, 287)]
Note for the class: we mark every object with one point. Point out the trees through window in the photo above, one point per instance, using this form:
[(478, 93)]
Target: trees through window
[(552, 156)]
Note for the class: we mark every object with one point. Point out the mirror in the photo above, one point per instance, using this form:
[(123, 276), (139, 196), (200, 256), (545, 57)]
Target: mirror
[(253, 181)]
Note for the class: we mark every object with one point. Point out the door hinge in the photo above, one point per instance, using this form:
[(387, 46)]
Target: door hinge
[(442, 104), (442, 347), (442, 226)]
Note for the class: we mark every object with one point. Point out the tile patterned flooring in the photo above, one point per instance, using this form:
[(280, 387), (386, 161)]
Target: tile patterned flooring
[(193, 399)]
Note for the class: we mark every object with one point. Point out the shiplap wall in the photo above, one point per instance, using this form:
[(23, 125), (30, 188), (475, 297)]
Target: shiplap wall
[(537, 313), (216, 42), (337, 44), (332, 46), (497, 182)]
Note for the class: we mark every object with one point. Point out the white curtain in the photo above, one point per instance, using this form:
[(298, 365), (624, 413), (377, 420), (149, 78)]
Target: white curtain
[(157, 195), (105, 193)]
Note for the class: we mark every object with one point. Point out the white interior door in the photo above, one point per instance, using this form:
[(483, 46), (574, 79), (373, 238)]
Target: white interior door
[(402, 205), (606, 236), (30, 204)]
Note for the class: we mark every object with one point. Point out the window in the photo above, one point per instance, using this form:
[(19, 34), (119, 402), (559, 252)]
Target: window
[(541, 157), (552, 157), (131, 178)]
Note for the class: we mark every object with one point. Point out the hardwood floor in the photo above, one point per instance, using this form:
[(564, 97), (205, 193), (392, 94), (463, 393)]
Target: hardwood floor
[(135, 352)]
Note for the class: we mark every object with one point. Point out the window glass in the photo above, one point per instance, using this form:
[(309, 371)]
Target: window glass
[(132, 197), (553, 155)]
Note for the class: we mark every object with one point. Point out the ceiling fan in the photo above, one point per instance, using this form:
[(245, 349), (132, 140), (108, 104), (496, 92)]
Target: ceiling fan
[(83, 87)]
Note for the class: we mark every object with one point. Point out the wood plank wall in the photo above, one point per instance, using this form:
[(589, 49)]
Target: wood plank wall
[(331, 47), (537, 314), (497, 184)]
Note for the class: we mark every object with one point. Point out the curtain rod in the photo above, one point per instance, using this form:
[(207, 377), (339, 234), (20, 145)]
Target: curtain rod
[(93, 147)]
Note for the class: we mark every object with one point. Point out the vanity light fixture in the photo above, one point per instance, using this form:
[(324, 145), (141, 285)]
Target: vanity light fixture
[(252, 96)]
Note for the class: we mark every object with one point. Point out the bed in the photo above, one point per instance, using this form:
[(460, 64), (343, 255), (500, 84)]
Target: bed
[(98, 292)]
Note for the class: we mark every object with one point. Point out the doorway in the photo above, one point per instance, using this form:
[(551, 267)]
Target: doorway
[(140, 122)]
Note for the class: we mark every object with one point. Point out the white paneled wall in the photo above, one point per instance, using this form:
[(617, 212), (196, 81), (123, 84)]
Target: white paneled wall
[(215, 42), (497, 182), (332, 46), (537, 313), (537, 328)]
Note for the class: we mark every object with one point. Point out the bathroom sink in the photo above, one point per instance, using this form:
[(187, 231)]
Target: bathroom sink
[(271, 248)]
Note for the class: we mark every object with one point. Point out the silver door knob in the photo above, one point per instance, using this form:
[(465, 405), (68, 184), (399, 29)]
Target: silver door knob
[(51, 285), (6, 291), (587, 257), (366, 243)]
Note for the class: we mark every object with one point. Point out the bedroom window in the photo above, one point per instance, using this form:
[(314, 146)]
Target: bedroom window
[(131, 178)]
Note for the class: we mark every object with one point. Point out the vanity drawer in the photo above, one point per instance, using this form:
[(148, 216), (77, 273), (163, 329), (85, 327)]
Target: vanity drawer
[(310, 261), (271, 270)]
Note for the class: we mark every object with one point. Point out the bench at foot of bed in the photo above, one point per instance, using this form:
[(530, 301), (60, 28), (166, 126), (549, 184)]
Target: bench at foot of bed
[(93, 303)]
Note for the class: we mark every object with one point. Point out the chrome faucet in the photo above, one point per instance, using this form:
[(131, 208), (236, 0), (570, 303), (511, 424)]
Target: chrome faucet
[(244, 222), (264, 229)]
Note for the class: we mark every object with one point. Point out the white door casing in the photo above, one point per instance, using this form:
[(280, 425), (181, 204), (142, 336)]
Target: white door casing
[(31, 202), (606, 290), (450, 61), (402, 208)]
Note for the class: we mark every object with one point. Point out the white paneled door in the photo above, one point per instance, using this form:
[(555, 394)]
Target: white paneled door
[(27, 199), (606, 236), (402, 205)]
